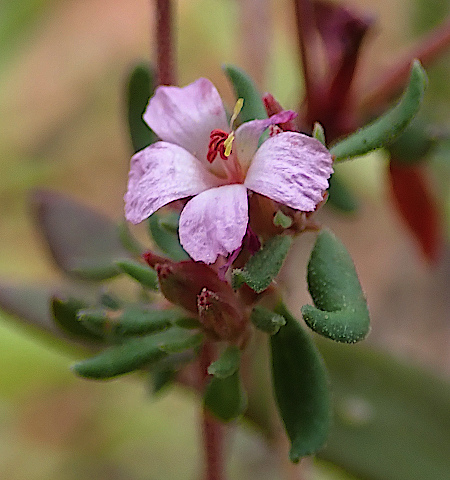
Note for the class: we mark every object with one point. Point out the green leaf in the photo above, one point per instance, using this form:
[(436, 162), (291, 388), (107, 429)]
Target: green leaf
[(391, 419), (414, 144), (179, 340), (131, 355), (142, 273), (225, 397), (319, 133), (264, 266), (30, 304), (166, 238), (132, 320), (339, 196), (65, 315), (384, 129), (128, 241), (141, 85), (162, 378), (244, 87), (227, 364), (301, 387), (282, 220), (266, 320), (333, 283), (82, 242)]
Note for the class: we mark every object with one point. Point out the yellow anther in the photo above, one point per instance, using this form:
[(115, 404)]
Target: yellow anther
[(228, 143), (236, 111)]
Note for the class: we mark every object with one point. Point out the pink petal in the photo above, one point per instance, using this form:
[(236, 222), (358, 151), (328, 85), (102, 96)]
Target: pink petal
[(162, 173), (214, 222), (186, 116), (292, 169), (249, 133)]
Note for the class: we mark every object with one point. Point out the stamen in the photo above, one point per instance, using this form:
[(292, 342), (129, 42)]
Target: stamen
[(216, 145), (236, 111), (228, 144), (221, 142)]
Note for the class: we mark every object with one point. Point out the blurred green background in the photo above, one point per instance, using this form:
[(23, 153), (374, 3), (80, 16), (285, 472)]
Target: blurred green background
[(63, 65)]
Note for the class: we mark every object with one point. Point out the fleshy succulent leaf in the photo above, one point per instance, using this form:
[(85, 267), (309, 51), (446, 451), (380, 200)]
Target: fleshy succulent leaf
[(225, 397), (385, 128), (135, 353), (266, 320), (141, 85), (340, 311), (82, 242), (142, 273), (164, 232), (341, 197), (264, 265), (65, 315), (128, 241), (132, 320), (301, 387), (244, 87), (227, 364), (131, 355)]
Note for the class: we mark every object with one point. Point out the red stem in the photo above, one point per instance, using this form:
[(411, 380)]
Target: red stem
[(165, 43), (212, 429), (427, 50), (306, 29)]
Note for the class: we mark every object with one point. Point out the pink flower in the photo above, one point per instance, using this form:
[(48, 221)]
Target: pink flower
[(199, 157)]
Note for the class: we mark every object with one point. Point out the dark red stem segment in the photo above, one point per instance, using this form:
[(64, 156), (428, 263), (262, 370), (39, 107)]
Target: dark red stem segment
[(165, 56), (213, 430), (417, 206), (307, 35)]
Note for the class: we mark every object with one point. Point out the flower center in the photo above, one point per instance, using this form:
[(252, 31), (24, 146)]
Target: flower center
[(220, 142)]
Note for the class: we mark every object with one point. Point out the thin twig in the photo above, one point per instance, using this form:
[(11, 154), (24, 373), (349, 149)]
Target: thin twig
[(165, 43), (212, 428)]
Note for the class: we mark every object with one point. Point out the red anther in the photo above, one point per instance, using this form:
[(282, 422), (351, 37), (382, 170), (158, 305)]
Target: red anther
[(216, 145)]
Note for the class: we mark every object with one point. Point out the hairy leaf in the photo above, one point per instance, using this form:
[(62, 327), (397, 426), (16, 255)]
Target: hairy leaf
[(385, 128), (164, 232), (265, 264), (83, 242), (301, 387), (225, 397), (340, 311), (245, 88), (141, 85), (227, 364), (142, 273), (266, 320)]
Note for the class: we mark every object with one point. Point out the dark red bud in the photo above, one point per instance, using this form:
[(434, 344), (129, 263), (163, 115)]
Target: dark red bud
[(222, 317), (273, 107)]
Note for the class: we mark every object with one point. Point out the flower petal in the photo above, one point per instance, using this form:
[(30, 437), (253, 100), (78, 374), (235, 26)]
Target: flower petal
[(214, 222), (249, 133), (292, 169), (162, 173), (186, 116)]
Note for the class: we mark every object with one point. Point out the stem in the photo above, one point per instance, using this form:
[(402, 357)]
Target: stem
[(212, 429), (427, 50), (306, 29), (164, 43)]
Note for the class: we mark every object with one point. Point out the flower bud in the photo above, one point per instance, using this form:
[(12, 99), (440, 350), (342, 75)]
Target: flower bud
[(221, 318)]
